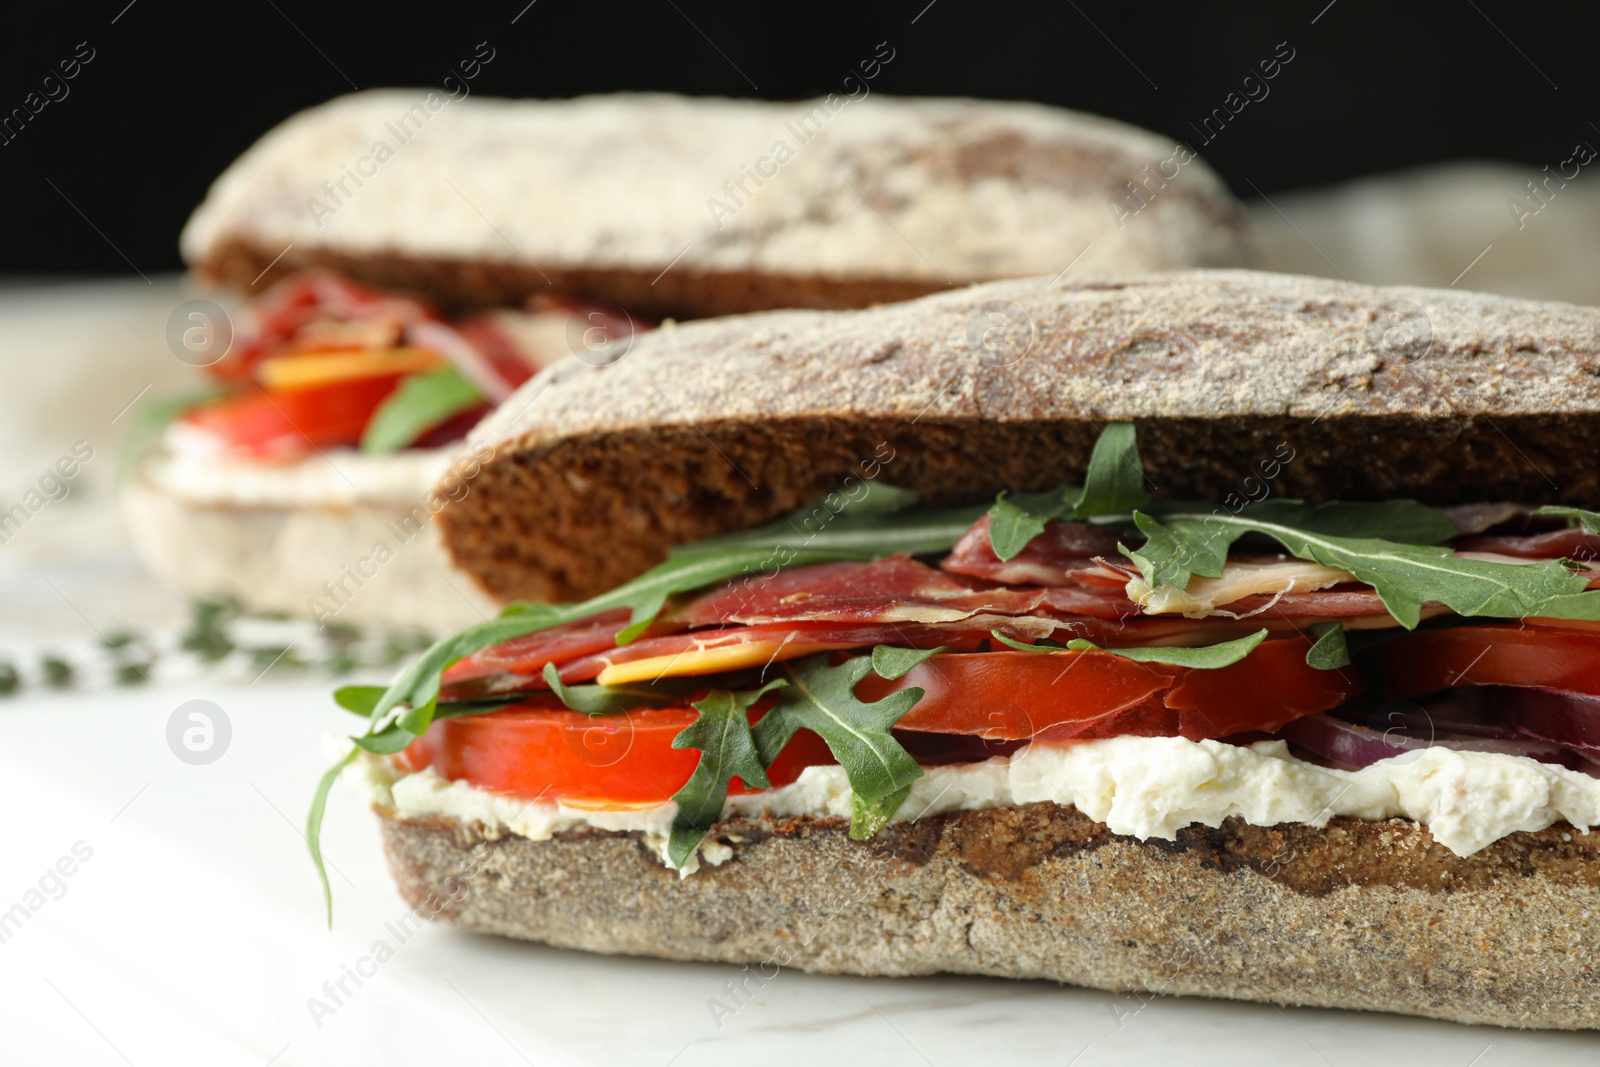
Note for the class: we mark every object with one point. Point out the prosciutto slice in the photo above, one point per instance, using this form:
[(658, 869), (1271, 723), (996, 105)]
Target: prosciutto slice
[(1064, 553), (893, 590), (1573, 542), (528, 655)]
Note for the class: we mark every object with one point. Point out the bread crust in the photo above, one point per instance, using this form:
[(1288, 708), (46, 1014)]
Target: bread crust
[(1319, 389), (1364, 915), (494, 201)]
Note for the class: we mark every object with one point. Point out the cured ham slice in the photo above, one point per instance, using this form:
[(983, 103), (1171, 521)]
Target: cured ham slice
[(893, 590), (1574, 543), (528, 655), (1065, 552)]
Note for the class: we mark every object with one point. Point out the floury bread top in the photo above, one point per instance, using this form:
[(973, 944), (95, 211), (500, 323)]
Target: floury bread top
[(1331, 390), (693, 206)]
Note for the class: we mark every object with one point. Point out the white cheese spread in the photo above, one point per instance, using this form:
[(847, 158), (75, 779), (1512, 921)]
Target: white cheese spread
[(191, 466), (1140, 786)]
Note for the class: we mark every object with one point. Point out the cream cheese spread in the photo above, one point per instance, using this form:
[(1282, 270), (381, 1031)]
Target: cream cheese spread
[(192, 467), (1143, 787)]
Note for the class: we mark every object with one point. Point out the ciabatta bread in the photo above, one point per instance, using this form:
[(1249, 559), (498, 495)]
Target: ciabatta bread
[(349, 540), (1330, 390), (682, 206), (1357, 914)]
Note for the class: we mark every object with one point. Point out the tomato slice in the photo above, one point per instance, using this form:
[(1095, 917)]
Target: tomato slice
[(286, 423), (1544, 657), (1015, 695), (1055, 696), (536, 750)]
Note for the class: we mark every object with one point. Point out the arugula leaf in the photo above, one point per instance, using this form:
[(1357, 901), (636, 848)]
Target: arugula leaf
[(880, 498), (1017, 518), (610, 699), (822, 698), (1180, 543), (1405, 571), (868, 817), (358, 698), (385, 742), (421, 402), (850, 534), (1176, 549), (1207, 657), (890, 662), (319, 803), (1023, 646), (149, 422), (1330, 651), (727, 750), (1589, 520), (457, 709), (1114, 483)]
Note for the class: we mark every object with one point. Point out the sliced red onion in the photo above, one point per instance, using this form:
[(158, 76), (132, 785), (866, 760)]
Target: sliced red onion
[(1359, 746), (1571, 719), (1463, 712)]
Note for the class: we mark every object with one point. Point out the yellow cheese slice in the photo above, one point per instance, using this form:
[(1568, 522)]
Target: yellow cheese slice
[(307, 369), (711, 660)]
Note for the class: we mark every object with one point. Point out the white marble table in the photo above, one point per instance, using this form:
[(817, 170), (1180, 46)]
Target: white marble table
[(194, 934)]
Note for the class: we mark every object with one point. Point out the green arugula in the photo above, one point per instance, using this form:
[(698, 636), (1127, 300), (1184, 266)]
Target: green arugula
[(319, 802), (1113, 484), (1181, 543), (889, 662), (1330, 650), (149, 422), (359, 699), (1205, 658), (421, 402), (1396, 557), (613, 699), (826, 704), (1589, 520), (822, 698), (727, 750)]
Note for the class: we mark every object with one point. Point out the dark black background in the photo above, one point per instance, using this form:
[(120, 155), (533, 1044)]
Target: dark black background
[(176, 90)]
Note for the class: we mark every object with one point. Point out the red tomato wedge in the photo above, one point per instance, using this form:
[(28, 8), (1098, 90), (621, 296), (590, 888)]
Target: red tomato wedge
[(284, 423), (1544, 657), (1056, 696), (539, 750)]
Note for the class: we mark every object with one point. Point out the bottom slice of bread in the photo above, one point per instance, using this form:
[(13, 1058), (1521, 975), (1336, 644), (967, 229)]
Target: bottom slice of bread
[(1356, 914), (369, 562)]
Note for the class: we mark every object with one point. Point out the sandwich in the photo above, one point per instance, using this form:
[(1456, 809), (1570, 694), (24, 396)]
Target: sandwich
[(409, 258), (1217, 633), (1213, 633)]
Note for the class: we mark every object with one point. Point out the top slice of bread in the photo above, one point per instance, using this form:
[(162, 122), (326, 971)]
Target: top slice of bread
[(1241, 383), (683, 206)]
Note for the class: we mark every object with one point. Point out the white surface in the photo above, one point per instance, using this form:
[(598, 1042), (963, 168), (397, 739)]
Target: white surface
[(194, 935)]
